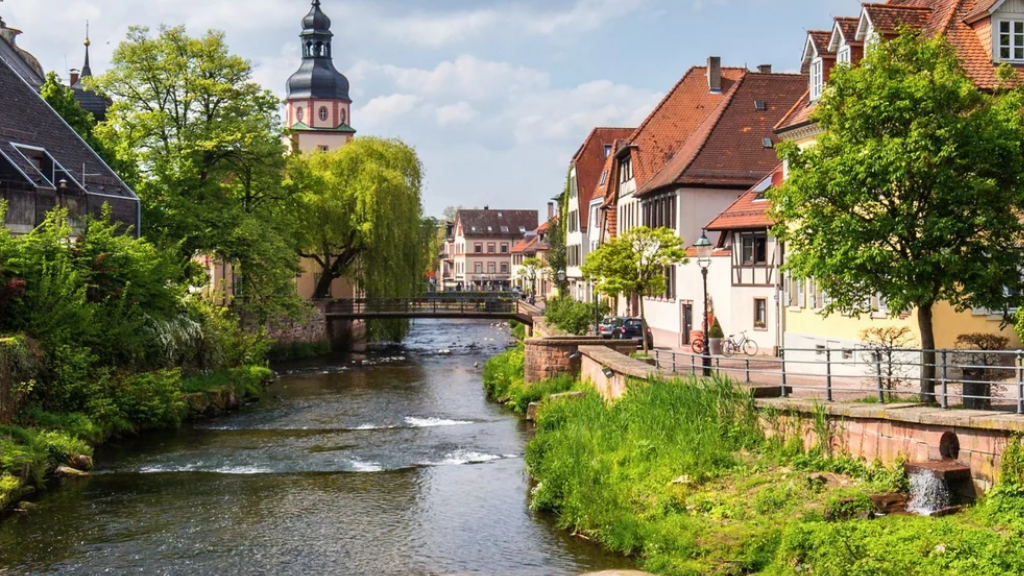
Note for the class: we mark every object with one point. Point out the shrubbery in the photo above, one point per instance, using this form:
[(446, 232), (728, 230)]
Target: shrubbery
[(503, 381), (573, 316)]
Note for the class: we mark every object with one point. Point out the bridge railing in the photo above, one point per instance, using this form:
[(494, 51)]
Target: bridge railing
[(433, 304)]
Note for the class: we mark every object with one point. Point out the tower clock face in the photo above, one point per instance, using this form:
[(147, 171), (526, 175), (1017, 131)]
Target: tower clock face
[(323, 113)]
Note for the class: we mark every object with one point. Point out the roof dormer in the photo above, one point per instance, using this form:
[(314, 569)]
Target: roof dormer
[(817, 61), (1003, 21), (843, 42), (878, 21)]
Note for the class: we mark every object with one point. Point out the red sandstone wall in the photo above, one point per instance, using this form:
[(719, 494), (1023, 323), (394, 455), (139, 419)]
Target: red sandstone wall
[(549, 357)]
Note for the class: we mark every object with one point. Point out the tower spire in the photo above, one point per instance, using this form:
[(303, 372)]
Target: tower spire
[(86, 70)]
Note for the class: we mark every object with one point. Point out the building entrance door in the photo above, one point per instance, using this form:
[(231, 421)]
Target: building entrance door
[(687, 321)]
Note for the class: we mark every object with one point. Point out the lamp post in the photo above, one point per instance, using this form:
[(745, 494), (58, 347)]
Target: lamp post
[(561, 280), (704, 248), (597, 311)]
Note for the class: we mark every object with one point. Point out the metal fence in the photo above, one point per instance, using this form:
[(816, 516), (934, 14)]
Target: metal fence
[(976, 379)]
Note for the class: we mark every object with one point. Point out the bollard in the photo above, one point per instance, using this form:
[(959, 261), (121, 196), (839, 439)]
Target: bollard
[(1020, 382), (747, 362), (945, 383), (828, 375), (782, 358), (878, 371)]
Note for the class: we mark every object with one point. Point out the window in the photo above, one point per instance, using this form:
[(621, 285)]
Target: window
[(479, 268), (504, 248), (490, 248), (626, 170), (572, 187), (607, 150), (323, 148), (817, 79), (1011, 40), (800, 287), (478, 248), (300, 114), (843, 56), (754, 248), (670, 283), (760, 313), (760, 105), (767, 142), (323, 113), (604, 178), (504, 268), (343, 116), (490, 267)]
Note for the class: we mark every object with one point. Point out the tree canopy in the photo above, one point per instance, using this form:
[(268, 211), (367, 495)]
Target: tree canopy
[(62, 99), (361, 217), (913, 192), (635, 263), (207, 142)]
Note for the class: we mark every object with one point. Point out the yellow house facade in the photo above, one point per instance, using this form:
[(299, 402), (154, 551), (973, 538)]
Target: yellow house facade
[(806, 328)]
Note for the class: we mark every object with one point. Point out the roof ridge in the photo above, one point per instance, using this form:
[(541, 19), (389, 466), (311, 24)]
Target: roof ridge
[(949, 19), (898, 6), (792, 110)]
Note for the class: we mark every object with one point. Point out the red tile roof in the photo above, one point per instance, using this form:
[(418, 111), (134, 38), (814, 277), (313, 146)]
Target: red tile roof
[(820, 40), (798, 115), (728, 149), (675, 118), (751, 209), (848, 26), (887, 18), (589, 161)]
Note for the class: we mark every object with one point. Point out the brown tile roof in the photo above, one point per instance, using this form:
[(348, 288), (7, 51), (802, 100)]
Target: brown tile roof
[(530, 245), (820, 40), (798, 115), (751, 209), (589, 161), (981, 9), (848, 26), (728, 148), (675, 118), (886, 18), (493, 222)]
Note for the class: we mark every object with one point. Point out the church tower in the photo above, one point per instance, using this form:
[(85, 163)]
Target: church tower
[(318, 106)]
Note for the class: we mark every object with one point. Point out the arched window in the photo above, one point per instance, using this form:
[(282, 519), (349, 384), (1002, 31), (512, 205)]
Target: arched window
[(319, 50), (309, 49), (299, 114), (323, 113), (343, 118)]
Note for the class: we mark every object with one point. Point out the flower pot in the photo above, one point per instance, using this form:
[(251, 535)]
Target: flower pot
[(716, 346)]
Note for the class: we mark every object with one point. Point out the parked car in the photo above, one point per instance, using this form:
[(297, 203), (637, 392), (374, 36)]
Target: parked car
[(632, 328), (608, 326)]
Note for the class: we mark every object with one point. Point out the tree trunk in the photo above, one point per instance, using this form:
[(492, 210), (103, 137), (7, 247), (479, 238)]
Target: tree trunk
[(323, 286), (924, 323), (643, 326)]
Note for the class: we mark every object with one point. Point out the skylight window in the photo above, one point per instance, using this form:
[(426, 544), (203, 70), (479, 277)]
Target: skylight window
[(767, 142), (504, 229), (522, 229), (760, 105), (604, 178)]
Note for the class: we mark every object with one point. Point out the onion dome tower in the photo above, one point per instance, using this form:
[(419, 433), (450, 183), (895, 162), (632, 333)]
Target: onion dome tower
[(318, 104)]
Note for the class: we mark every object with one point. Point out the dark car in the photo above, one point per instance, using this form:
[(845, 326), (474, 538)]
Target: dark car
[(632, 328), (608, 326)]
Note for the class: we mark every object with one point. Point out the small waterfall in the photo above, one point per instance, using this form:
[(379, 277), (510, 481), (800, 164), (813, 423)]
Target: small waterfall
[(929, 493)]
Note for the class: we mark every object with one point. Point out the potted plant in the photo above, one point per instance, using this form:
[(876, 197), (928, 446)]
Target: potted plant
[(715, 337)]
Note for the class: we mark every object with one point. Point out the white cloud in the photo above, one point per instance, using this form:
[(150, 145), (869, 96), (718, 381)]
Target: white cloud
[(382, 109), (435, 30), (468, 77), (459, 113)]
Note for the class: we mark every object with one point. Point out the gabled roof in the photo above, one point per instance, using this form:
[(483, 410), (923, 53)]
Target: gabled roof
[(23, 63), (40, 152), (728, 149), (887, 18), (590, 161), (491, 222), (751, 209), (845, 29), (675, 118), (799, 115)]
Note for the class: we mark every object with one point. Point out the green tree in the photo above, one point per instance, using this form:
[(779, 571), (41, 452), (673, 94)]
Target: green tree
[(914, 191), (532, 268), (634, 264), (361, 217), (208, 141), (556, 236)]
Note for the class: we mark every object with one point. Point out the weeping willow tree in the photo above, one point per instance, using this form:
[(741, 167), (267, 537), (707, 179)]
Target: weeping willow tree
[(360, 217)]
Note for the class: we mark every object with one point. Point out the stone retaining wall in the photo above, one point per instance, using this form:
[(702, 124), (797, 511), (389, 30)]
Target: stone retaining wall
[(550, 357), (312, 330)]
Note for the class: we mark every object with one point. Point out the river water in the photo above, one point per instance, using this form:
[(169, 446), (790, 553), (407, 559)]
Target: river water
[(399, 466)]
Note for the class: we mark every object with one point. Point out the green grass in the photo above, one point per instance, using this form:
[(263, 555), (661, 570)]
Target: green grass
[(298, 351), (680, 476), (246, 381)]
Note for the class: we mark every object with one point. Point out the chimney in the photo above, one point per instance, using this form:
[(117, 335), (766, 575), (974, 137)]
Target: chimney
[(714, 74), (486, 207), (74, 76), (765, 68), (551, 210)]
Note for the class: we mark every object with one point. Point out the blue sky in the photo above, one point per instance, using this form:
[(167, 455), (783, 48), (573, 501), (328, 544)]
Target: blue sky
[(495, 95)]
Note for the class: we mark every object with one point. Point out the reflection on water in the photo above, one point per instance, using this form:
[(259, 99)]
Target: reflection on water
[(395, 467)]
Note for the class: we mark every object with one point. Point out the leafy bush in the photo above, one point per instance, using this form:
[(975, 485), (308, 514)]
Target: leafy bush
[(520, 395), (573, 316), (716, 330), (298, 350), (152, 399), (502, 371), (246, 381)]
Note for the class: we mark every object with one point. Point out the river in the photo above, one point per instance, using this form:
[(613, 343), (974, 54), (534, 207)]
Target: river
[(399, 466)]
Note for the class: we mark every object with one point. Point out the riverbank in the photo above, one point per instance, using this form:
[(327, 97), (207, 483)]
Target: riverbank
[(42, 447), (681, 477)]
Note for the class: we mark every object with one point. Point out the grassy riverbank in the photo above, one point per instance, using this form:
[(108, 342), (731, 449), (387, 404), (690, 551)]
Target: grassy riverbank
[(682, 477)]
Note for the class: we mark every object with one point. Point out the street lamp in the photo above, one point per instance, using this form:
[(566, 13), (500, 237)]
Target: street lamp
[(561, 281), (704, 247)]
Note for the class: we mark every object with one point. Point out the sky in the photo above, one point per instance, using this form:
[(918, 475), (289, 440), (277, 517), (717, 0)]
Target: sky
[(495, 95)]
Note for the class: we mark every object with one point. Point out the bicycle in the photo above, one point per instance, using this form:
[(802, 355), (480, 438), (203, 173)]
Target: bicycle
[(731, 346)]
